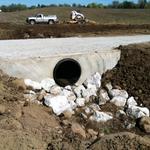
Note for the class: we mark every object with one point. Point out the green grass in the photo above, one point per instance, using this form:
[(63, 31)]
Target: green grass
[(102, 16)]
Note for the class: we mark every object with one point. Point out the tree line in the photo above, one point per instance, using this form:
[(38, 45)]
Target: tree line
[(142, 4)]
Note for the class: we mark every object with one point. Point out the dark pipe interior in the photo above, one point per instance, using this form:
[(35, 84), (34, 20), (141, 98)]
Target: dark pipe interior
[(67, 72)]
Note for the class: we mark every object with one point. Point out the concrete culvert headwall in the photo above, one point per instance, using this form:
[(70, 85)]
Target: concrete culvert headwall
[(37, 59), (67, 72), (76, 69)]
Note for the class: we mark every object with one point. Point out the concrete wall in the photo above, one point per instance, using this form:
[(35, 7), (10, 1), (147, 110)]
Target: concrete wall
[(42, 67)]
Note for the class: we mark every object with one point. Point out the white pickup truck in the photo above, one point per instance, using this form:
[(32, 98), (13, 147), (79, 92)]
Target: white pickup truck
[(40, 18)]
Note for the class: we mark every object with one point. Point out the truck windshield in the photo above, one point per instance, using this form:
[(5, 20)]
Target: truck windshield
[(39, 16)]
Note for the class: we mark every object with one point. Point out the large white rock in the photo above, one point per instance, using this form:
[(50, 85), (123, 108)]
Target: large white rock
[(117, 92), (92, 91), (119, 101), (100, 117), (91, 108), (47, 83), (94, 80), (69, 94), (80, 102), (137, 112), (78, 90), (59, 104), (94, 107), (34, 85), (131, 101), (55, 90), (103, 97), (68, 87), (72, 104), (108, 86), (66, 92)]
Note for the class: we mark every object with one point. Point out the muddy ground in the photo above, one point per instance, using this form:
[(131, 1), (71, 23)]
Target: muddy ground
[(27, 126), (132, 72), (14, 31)]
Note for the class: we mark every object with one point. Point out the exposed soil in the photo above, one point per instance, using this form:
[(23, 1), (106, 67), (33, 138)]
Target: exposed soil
[(27, 126), (121, 141), (14, 31), (132, 72)]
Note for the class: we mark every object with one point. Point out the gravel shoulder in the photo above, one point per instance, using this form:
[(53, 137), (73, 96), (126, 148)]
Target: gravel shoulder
[(19, 49)]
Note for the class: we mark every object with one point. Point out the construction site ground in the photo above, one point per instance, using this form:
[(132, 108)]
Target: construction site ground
[(23, 31), (29, 126)]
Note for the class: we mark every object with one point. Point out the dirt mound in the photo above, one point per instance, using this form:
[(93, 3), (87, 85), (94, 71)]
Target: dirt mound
[(22, 126), (13, 31), (8, 91), (132, 72), (17, 140), (121, 141), (27, 126)]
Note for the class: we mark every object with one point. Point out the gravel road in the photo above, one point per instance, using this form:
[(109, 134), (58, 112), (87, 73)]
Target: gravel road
[(13, 49)]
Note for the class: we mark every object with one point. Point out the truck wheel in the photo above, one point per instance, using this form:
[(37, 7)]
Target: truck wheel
[(32, 22), (50, 22)]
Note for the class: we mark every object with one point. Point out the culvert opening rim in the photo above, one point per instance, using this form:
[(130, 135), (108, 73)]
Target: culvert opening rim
[(67, 72)]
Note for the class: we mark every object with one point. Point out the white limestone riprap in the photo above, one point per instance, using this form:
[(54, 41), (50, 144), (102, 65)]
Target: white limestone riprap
[(47, 83), (131, 101), (59, 104), (119, 101), (117, 92), (137, 112), (100, 117), (103, 97), (32, 84)]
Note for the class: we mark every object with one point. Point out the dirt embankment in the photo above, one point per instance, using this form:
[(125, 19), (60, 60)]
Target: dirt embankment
[(14, 31), (122, 141), (132, 73)]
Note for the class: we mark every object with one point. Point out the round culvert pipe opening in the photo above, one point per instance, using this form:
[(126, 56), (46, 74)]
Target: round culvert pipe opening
[(67, 72)]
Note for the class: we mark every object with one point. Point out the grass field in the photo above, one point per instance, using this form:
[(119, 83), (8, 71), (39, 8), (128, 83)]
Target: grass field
[(102, 16)]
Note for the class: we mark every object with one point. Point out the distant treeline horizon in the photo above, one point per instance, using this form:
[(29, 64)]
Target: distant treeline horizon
[(142, 4)]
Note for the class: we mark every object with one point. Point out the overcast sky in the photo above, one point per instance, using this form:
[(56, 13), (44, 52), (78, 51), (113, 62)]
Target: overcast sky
[(35, 2)]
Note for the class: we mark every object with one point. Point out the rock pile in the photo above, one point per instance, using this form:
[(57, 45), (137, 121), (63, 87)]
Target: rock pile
[(89, 96)]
